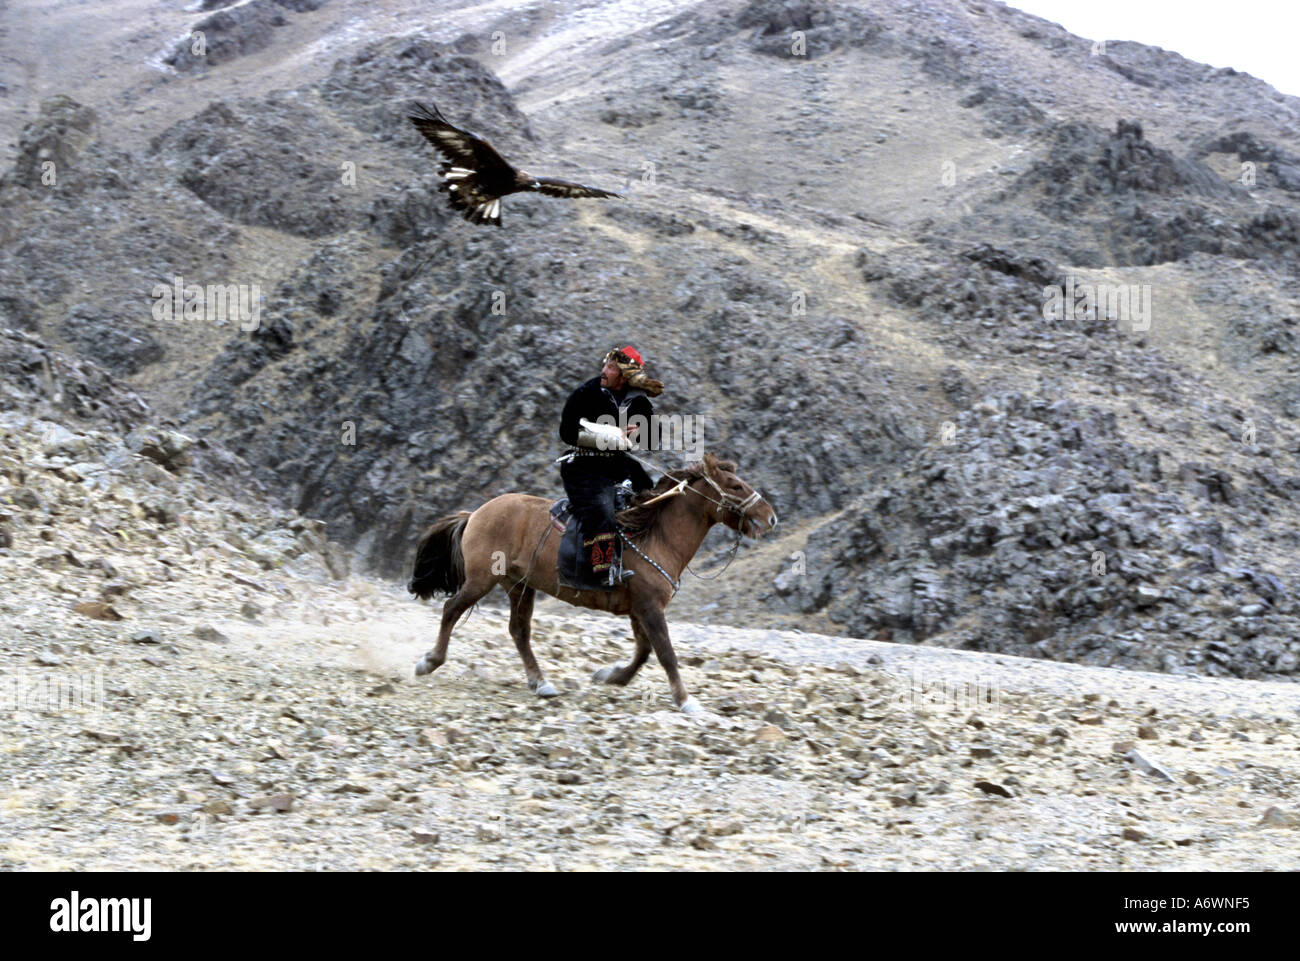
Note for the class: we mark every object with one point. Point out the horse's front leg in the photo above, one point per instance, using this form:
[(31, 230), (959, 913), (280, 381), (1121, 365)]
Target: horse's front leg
[(655, 625), (622, 674)]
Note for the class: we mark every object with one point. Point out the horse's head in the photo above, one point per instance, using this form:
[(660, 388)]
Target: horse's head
[(739, 506)]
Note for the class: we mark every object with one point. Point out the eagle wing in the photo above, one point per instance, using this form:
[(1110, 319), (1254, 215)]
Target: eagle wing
[(564, 188), (461, 147)]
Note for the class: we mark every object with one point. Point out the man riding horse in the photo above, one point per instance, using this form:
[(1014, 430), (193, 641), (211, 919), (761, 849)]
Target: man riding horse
[(460, 553), (596, 461)]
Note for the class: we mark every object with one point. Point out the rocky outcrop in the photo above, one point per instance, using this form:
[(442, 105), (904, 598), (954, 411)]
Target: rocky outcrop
[(40, 380), (1118, 199), (1037, 527), (228, 35), (805, 28), (88, 477), (49, 144), (260, 167)]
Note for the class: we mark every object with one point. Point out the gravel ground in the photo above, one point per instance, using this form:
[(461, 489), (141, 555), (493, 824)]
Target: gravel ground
[(301, 741)]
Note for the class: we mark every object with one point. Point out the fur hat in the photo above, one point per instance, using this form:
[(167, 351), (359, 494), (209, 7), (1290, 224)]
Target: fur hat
[(628, 360)]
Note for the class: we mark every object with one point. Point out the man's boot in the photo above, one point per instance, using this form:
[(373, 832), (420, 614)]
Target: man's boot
[(593, 579)]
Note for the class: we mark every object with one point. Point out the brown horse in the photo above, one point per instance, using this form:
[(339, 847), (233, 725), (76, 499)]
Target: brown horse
[(510, 541)]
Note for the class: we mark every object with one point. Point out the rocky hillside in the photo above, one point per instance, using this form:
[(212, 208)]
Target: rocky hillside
[(108, 518), (839, 247)]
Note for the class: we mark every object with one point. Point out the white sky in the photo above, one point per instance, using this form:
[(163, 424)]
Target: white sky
[(1257, 37)]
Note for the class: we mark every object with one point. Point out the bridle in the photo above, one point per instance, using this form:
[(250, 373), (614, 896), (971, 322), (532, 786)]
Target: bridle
[(724, 501), (727, 501)]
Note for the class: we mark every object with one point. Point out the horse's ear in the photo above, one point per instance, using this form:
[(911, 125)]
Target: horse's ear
[(710, 462)]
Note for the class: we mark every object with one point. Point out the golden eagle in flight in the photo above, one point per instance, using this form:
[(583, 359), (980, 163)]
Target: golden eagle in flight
[(475, 177)]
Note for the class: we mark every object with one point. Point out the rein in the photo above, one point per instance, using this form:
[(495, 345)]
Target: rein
[(651, 561)]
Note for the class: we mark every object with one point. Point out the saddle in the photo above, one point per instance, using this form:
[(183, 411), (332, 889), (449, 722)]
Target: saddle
[(571, 564)]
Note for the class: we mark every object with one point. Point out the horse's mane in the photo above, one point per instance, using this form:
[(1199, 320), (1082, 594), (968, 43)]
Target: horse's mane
[(640, 519)]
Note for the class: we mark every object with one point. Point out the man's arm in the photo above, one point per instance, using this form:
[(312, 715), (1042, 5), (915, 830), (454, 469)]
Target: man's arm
[(574, 434)]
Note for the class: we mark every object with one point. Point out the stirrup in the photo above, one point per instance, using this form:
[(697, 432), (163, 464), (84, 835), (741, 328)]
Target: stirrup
[(618, 573)]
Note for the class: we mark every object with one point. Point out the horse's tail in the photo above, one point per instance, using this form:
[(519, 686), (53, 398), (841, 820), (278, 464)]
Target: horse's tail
[(439, 563)]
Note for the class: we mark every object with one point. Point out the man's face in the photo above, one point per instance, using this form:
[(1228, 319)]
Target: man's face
[(610, 376)]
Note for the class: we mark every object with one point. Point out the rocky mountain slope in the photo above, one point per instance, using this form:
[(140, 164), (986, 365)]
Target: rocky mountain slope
[(191, 683), (840, 258), (105, 509)]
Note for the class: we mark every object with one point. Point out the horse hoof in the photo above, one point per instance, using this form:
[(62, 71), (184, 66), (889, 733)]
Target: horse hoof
[(545, 689), (691, 706), (424, 666), (605, 673)]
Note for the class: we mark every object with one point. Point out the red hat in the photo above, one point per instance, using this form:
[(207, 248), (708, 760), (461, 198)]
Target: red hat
[(628, 360)]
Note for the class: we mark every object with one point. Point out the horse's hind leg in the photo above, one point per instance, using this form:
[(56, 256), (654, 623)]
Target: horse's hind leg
[(471, 593), (521, 630), (622, 674)]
